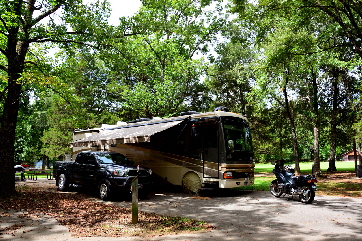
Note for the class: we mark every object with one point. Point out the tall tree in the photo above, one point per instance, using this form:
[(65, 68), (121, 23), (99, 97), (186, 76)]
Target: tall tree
[(156, 71), (230, 76), (81, 100), (24, 24), (311, 34), (316, 122), (345, 14)]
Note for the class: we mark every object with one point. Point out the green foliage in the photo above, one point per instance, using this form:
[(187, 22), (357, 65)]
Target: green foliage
[(24, 26), (154, 63), (159, 72), (150, 70), (295, 46), (79, 101), (31, 125), (230, 76)]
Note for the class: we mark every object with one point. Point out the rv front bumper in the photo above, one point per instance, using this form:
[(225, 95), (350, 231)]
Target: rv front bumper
[(232, 183)]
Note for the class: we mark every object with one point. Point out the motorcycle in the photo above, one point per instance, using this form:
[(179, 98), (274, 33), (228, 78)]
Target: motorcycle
[(301, 188)]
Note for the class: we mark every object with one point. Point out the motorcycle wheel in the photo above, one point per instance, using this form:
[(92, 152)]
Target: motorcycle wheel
[(307, 195), (274, 190)]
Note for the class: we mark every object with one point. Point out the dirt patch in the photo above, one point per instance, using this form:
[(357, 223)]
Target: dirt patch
[(85, 217), (343, 184), (339, 177), (40, 183)]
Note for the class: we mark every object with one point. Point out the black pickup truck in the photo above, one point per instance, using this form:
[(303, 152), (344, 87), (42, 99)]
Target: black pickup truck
[(109, 172)]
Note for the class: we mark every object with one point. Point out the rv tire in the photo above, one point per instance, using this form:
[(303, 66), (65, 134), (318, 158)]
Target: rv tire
[(191, 183)]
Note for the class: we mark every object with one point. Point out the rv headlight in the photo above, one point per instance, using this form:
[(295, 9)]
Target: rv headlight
[(228, 175)]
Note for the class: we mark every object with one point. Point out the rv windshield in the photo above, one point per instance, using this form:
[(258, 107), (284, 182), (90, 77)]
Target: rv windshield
[(238, 142)]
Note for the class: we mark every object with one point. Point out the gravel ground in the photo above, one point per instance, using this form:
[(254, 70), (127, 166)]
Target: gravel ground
[(236, 215)]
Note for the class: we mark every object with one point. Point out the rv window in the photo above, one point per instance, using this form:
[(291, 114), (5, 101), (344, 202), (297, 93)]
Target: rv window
[(237, 140)]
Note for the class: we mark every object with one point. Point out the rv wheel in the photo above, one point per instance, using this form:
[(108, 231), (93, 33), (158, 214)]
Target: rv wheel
[(191, 183)]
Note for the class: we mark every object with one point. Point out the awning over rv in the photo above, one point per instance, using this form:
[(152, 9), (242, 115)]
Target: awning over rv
[(127, 134)]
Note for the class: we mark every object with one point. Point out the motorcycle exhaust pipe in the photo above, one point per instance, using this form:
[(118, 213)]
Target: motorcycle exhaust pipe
[(296, 197)]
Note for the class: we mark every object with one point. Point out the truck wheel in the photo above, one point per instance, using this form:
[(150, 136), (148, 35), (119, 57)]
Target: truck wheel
[(63, 184), (104, 190), (191, 183)]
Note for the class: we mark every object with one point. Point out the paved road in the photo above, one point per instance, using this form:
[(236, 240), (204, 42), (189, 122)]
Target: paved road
[(237, 216), (260, 216)]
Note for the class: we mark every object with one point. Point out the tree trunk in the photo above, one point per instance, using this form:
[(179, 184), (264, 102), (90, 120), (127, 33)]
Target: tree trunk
[(293, 129), (7, 139), (333, 134), (44, 162), (281, 156), (316, 122), (316, 163), (355, 154), (15, 53), (332, 152)]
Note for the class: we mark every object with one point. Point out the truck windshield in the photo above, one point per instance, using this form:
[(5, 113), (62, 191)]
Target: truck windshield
[(113, 158), (238, 142)]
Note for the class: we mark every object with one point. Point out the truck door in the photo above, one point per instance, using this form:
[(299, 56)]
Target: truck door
[(76, 169), (89, 170)]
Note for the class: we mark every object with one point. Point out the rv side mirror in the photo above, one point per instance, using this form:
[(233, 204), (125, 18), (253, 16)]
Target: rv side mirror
[(231, 145)]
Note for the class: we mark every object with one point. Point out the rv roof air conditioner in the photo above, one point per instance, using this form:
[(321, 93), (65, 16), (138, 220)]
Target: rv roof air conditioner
[(189, 113), (221, 108), (139, 120)]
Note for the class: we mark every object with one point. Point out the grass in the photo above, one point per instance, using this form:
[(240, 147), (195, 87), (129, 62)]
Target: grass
[(26, 175), (28, 172), (345, 189), (260, 184), (306, 167)]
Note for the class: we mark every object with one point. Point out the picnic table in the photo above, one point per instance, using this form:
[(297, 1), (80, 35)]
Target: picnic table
[(34, 173)]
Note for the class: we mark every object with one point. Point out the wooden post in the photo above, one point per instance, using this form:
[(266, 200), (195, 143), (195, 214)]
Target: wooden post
[(134, 189), (355, 155)]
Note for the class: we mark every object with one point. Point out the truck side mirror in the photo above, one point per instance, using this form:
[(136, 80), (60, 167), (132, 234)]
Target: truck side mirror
[(92, 162)]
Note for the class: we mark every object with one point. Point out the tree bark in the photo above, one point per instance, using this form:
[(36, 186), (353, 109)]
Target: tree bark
[(44, 162), (332, 152), (316, 122), (333, 134), (15, 53), (281, 142), (7, 139), (355, 154), (292, 127), (316, 163)]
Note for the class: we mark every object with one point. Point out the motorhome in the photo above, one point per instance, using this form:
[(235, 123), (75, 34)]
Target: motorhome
[(193, 150)]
